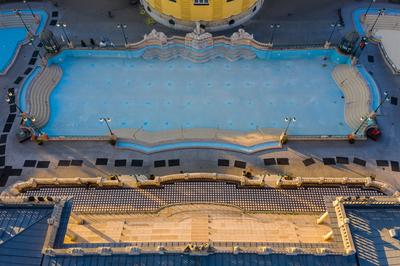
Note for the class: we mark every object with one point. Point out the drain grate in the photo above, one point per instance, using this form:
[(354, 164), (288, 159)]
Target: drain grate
[(342, 160), (269, 161), (29, 163), (308, 162), (359, 161), (382, 163), (329, 161)]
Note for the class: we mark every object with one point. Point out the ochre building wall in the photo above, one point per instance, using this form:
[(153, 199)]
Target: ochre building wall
[(187, 10)]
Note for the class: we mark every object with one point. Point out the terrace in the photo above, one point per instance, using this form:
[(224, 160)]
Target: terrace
[(203, 218), (245, 111)]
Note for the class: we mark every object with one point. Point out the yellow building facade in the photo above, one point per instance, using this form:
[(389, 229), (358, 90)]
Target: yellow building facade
[(212, 14)]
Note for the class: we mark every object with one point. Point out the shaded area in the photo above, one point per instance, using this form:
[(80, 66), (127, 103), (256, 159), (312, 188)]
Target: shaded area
[(22, 233), (370, 230)]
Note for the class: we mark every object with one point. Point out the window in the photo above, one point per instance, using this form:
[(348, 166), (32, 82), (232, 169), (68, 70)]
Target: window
[(229, 0), (201, 2), (173, 1)]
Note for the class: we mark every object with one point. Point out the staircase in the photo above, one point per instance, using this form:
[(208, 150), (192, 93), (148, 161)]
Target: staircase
[(39, 94), (387, 22), (13, 21), (356, 94)]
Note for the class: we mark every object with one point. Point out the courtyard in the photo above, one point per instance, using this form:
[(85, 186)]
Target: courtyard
[(191, 105)]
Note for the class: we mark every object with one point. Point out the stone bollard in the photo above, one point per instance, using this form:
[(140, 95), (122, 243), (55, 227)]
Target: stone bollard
[(328, 236), (321, 219)]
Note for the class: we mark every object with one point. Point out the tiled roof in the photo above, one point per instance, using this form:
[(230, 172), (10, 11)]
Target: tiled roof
[(370, 230), (22, 233), (211, 260)]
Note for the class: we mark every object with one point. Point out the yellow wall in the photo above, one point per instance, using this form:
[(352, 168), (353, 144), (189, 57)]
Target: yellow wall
[(186, 10)]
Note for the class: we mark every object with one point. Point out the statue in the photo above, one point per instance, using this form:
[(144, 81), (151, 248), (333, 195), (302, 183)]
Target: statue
[(241, 34), (199, 38), (156, 36)]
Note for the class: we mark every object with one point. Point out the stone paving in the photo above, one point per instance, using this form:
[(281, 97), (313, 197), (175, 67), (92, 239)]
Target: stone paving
[(198, 223), (307, 23), (370, 230)]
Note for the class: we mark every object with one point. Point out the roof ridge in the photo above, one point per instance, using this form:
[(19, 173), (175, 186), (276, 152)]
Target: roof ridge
[(27, 227)]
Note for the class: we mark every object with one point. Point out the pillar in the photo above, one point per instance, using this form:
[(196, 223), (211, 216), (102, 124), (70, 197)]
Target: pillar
[(321, 219), (328, 235)]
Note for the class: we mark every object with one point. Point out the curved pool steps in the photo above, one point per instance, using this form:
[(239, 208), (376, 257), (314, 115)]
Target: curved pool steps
[(131, 145), (13, 21), (356, 92), (39, 94), (386, 22), (240, 141)]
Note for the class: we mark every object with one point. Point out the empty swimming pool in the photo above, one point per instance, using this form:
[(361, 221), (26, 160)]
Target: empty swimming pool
[(178, 95), (157, 95), (13, 33)]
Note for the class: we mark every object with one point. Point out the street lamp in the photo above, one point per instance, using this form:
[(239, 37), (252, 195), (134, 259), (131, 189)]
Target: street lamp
[(288, 120), (334, 26), (18, 13), (25, 116), (381, 12), (361, 45), (385, 99), (363, 120), (63, 26), (8, 100), (273, 28), (369, 6), (30, 9), (106, 120), (123, 27), (369, 117)]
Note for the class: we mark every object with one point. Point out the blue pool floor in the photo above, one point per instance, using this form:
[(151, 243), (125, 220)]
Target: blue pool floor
[(11, 38), (9, 41), (157, 95)]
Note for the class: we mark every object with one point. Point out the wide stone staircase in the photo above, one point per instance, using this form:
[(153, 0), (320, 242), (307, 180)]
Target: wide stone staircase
[(13, 21), (387, 22), (356, 92), (39, 94)]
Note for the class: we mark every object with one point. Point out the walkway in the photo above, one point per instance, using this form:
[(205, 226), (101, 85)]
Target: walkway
[(299, 24)]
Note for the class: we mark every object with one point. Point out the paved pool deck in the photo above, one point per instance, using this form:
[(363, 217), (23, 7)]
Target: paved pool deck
[(205, 160)]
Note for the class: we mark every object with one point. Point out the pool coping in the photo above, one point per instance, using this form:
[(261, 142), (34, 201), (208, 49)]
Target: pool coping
[(43, 21), (200, 46), (358, 25)]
